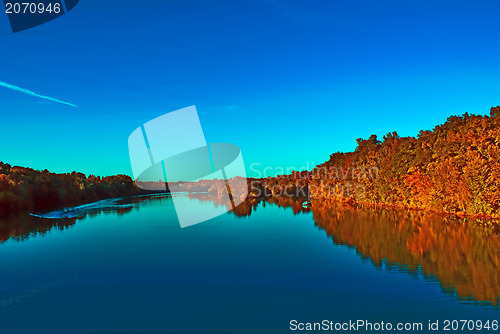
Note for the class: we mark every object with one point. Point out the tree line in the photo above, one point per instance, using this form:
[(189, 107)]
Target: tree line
[(27, 190), (454, 168)]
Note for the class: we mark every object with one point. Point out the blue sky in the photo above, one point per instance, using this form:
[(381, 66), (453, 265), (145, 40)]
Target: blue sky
[(290, 82)]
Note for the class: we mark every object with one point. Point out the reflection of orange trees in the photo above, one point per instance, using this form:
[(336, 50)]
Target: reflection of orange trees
[(216, 191), (251, 204), (464, 257), (246, 208), (215, 197), (286, 202)]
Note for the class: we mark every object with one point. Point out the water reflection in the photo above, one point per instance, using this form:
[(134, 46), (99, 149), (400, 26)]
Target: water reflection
[(252, 203), (463, 255), (24, 226)]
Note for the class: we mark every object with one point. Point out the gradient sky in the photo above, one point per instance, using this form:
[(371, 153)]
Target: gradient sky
[(290, 82)]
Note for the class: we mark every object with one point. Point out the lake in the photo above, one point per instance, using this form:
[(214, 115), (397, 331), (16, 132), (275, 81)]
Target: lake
[(125, 266)]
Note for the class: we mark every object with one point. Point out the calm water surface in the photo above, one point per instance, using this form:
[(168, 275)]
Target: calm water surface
[(127, 267)]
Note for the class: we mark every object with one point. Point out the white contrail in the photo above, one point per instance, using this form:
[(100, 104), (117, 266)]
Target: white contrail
[(29, 92)]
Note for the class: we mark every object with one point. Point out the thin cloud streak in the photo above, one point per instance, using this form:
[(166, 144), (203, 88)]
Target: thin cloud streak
[(29, 92)]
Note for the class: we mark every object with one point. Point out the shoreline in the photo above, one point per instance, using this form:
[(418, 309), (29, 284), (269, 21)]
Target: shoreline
[(357, 204)]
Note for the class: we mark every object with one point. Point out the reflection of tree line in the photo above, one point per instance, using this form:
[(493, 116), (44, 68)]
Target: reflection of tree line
[(464, 257), (21, 227), (258, 192), (246, 208)]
